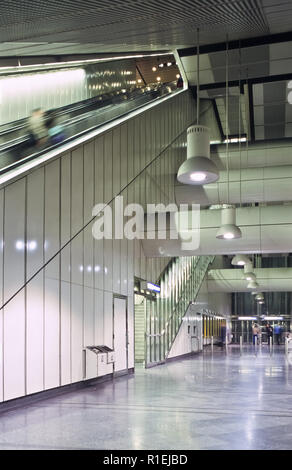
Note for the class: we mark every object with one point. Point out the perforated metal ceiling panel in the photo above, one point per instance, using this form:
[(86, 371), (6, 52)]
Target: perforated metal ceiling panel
[(120, 25)]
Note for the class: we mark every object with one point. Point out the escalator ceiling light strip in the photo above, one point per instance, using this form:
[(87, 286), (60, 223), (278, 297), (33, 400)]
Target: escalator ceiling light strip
[(22, 68)]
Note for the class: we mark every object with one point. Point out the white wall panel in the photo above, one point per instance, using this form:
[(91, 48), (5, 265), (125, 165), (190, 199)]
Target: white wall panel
[(77, 331), (52, 216), (99, 199), (65, 306), (124, 155), (116, 189), (137, 187), (130, 267), (88, 206), (65, 216), (14, 347), (108, 319), (131, 332), (35, 334), (14, 313), (65, 333), (124, 182), (14, 238), (89, 162), (52, 329), (89, 328), (124, 267), (89, 317), (35, 289), (77, 265), (108, 194), (35, 221), (98, 317)]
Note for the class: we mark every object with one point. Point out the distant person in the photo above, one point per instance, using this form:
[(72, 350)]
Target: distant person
[(255, 333), (269, 330), (223, 335), (277, 333), (179, 83), (37, 127)]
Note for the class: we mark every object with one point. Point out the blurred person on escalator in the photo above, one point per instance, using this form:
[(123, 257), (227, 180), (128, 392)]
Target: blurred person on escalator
[(55, 130), (38, 132), (179, 83)]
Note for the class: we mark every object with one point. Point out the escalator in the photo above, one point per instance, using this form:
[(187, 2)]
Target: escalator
[(76, 120)]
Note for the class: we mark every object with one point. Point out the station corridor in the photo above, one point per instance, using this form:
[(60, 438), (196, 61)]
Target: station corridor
[(213, 401)]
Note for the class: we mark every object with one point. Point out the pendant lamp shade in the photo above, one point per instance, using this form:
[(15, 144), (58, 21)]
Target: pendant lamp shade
[(249, 277), (240, 260), (252, 285), (198, 169), (228, 229), (259, 297), (248, 273)]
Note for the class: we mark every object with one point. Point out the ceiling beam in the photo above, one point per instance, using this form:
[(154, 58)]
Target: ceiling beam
[(243, 81), (236, 44)]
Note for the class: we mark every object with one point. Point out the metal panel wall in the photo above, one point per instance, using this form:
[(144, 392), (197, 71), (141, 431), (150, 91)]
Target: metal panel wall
[(68, 305)]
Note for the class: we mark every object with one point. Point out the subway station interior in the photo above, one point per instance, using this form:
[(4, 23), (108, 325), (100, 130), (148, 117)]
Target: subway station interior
[(146, 225)]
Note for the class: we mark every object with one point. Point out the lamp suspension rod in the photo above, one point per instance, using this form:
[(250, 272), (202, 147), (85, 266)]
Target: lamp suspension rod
[(227, 117), (198, 75), (239, 126)]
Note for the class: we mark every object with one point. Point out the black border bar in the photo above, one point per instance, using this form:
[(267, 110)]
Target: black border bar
[(237, 43)]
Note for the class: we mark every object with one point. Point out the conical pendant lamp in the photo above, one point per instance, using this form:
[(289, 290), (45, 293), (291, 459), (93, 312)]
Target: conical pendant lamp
[(248, 273), (228, 229), (198, 169), (252, 285), (240, 260)]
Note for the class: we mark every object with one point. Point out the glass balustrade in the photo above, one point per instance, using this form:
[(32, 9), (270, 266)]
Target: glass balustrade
[(180, 284)]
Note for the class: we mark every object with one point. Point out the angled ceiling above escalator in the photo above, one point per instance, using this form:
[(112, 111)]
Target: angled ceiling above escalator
[(261, 74)]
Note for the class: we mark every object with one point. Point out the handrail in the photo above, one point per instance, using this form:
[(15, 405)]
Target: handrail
[(91, 220), (168, 323)]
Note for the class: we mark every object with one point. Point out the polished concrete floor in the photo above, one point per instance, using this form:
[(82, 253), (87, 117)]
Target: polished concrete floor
[(214, 401)]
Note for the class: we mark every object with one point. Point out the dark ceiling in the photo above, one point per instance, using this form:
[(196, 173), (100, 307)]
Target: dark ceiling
[(96, 26)]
